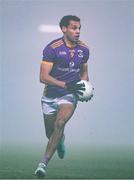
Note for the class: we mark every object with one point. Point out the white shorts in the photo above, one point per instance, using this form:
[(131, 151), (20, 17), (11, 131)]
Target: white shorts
[(51, 105)]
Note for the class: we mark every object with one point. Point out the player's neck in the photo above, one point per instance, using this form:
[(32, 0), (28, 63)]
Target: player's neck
[(69, 44)]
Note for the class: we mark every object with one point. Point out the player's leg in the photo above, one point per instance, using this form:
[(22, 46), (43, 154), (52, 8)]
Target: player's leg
[(49, 121), (64, 114), (61, 147), (49, 112), (54, 131)]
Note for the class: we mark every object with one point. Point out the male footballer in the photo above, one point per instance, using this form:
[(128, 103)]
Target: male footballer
[(63, 65)]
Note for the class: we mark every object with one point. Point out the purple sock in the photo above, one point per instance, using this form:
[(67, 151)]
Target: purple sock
[(45, 160)]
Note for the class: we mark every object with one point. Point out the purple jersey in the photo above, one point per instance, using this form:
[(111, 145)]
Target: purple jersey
[(67, 63)]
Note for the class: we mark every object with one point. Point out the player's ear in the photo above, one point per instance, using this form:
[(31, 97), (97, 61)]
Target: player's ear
[(64, 29)]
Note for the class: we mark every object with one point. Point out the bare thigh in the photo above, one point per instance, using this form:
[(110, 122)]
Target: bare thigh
[(58, 119), (64, 114)]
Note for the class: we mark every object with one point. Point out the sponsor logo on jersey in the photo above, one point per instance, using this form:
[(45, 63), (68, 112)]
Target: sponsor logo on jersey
[(71, 64), (69, 69)]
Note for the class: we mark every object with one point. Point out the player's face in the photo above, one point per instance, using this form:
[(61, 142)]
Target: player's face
[(72, 31)]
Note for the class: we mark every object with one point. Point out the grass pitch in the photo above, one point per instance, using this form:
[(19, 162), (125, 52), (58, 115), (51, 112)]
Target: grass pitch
[(80, 163)]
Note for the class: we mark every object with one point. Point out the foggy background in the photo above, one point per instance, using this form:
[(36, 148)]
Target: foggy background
[(108, 31)]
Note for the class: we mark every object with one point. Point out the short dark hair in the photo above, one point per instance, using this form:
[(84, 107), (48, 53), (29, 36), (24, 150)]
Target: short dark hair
[(66, 20)]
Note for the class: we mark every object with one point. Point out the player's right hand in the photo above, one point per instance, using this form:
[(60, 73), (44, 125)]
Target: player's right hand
[(73, 87)]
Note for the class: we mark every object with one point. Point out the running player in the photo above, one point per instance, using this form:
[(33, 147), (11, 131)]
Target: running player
[(64, 64)]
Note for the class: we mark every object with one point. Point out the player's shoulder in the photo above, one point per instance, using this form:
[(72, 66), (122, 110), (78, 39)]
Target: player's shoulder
[(82, 45), (56, 43)]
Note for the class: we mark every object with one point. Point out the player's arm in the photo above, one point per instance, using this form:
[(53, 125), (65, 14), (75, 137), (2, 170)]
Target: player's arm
[(84, 72), (45, 76)]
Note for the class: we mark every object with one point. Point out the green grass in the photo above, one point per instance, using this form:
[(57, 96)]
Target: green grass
[(84, 163)]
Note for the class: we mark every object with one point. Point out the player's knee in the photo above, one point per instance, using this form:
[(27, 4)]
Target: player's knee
[(59, 124)]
